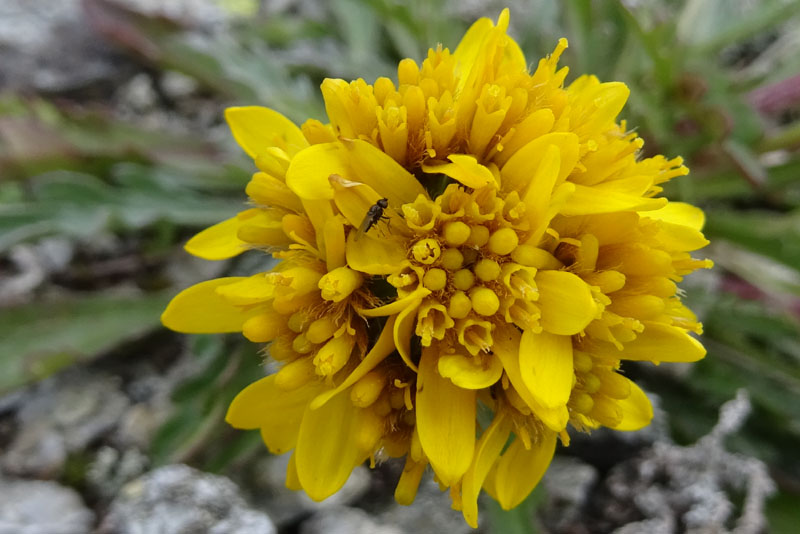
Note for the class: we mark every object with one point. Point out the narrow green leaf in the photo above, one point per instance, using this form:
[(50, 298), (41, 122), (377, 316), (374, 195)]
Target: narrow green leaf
[(42, 337)]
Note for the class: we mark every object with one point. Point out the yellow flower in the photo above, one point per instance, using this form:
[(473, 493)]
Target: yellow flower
[(474, 234)]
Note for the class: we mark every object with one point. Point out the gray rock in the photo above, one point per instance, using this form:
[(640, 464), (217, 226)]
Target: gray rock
[(30, 32), (344, 520), (205, 13), (178, 499), (695, 486), (36, 451), (176, 85), (32, 264), (568, 482), (36, 507), (286, 506), (63, 414), (112, 469), (431, 512)]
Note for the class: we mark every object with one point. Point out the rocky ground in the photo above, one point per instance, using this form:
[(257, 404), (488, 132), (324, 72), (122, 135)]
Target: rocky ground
[(73, 459), (74, 448)]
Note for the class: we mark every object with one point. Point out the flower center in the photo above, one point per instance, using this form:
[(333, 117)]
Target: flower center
[(468, 250)]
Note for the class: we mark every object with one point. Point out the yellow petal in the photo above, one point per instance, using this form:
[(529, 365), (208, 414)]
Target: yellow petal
[(506, 347), (382, 348), (199, 309), (487, 451), (319, 213), (309, 170), (445, 421), (377, 169), (518, 172), (663, 343), (406, 320), (354, 199), (219, 242), (470, 46), (609, 98), (398, 305), (540, 184), (267, 228), (331, 444), (334, 243), (257, 128), (519, 469), (679, 213), (251, 290), (658, 343), (566, 302), (406, 490), (637, 412), (267, 190), (546, 365), (374, 255), (292, 481), (471, 372), (680, 238), (276, 412), (588, 200), (354, 160), (464, 169)]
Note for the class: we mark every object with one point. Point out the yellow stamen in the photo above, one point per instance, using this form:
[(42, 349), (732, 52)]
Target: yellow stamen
[(367, 390), (460, 305), (503, 241), (487, 270), (463, 279), (452, 259), (484, 301), (339, 283), (426, 251), (435, 279), (456, 233)]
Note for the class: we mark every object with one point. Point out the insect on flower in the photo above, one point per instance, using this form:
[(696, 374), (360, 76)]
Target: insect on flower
[(374, 214)]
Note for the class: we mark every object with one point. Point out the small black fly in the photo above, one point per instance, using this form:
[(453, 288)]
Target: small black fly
[(374, 214)]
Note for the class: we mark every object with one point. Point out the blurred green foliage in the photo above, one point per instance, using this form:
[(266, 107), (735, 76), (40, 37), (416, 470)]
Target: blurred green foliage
[(705, 84)]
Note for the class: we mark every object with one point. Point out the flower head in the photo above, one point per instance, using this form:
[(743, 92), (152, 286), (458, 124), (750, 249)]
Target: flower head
[(475, 233)]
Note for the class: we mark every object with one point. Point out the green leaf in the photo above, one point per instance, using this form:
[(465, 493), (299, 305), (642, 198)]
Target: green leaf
[(739, 21), (42, 337), (520, 520), (776, 236), (82, 206), (196, 431), (782, 513)]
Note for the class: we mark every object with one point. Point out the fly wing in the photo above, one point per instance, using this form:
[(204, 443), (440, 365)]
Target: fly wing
[(364, 226)]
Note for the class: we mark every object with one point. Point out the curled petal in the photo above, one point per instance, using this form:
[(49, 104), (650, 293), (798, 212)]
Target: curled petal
[(637, 412), (464, 169), (471, 372)]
